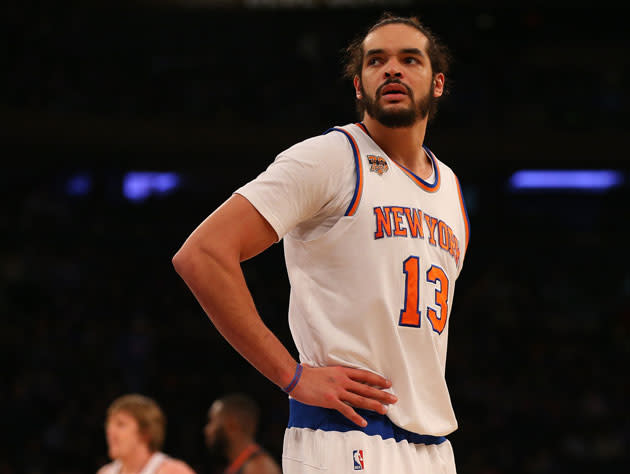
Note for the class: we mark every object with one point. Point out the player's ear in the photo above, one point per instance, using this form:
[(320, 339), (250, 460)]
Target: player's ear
[(438, 84), (357, 87)]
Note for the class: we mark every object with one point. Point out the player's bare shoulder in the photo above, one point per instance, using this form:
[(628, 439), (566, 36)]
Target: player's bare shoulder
[(261, 464), (174, 466)]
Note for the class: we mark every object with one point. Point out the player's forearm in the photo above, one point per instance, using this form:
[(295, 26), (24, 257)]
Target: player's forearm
[(218, 283)]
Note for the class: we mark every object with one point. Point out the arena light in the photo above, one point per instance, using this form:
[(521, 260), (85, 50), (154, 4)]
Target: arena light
[(139, 185), (577, 180), (79, 184)]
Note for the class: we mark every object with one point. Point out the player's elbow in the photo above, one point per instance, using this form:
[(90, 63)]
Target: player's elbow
[(193, 258), (179, 261), (184, 260)]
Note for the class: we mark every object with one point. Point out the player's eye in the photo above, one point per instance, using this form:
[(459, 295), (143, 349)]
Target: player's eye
[(373, 61), (411, 60)]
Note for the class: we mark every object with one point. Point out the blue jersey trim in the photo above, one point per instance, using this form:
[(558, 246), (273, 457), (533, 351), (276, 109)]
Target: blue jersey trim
[(435, 168), (465, 210), (431, 187), (326, 419), (357, 164)]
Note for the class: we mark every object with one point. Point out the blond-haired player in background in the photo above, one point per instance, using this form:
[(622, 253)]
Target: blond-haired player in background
[(135, 428)]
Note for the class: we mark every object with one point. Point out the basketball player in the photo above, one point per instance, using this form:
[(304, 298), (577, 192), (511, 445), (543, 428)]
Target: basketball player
[(375, 234), (231, 431), (135, 430)]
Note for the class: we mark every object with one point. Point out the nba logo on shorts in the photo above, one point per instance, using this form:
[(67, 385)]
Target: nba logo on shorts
[(357, 456)]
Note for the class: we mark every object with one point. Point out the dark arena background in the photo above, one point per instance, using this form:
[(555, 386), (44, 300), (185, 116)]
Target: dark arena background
[(126, 123)]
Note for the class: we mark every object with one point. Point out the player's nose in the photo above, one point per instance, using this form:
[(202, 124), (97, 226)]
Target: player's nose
[(392, 69)]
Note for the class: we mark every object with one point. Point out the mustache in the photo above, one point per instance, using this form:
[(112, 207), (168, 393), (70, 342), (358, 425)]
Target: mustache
[(393, 81)]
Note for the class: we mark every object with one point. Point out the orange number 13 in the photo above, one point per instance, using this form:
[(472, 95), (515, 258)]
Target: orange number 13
[(410, 314)]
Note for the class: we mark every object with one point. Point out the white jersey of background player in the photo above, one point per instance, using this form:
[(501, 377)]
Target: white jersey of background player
[(151, 467), (375, 234)]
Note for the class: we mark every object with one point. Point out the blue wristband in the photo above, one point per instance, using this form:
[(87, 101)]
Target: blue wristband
[(296, 379)]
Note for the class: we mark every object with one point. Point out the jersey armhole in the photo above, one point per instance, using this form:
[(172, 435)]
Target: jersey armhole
[(358, 186), (464, 213)]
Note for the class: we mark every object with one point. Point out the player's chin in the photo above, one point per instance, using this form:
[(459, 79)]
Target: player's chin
[(114, 452), (395, 107)]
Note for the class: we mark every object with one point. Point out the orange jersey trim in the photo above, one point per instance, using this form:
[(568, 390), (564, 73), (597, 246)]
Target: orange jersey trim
[(364, 128), (430, 188), (358, 188)]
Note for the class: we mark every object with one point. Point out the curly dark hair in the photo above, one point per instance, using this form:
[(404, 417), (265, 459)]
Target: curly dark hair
[(439, 54)]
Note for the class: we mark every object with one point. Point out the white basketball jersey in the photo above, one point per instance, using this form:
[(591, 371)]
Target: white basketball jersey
[(151, 467), (375, 291)]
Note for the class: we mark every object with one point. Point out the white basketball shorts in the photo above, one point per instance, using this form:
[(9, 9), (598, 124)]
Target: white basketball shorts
[(319, 440)]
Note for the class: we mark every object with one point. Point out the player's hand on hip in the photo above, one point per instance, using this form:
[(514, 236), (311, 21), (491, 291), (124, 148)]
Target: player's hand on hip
[(344, 389)]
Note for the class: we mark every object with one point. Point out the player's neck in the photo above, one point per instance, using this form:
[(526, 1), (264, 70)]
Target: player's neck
[(135, 462), (237, 447), (403, 145)]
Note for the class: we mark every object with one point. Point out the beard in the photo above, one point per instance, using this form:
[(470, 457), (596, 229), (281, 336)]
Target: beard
[(400, 118), (219, 445)]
